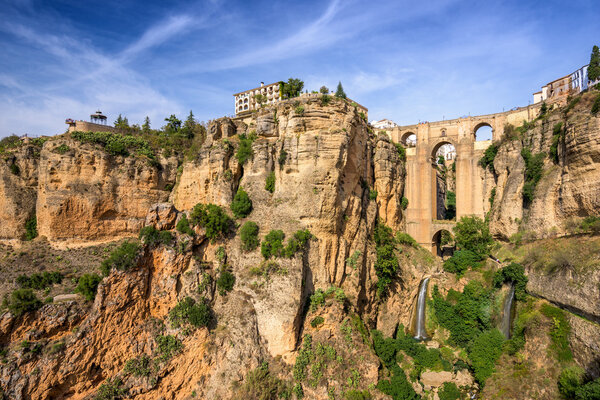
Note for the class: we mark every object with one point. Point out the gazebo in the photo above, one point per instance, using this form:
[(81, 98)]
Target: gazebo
[(98, 118)]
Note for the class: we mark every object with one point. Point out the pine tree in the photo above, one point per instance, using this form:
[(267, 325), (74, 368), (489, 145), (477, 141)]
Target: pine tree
[(189, 126), (146, 125), (594, 68), (118, 122), (339, 92)]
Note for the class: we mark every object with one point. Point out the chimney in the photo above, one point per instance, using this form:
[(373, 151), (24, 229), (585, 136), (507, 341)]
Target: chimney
[(262, 84)]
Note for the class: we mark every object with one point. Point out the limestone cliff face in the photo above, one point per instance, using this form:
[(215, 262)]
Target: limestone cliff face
[(18, 190), (325, 163), (567, 189)]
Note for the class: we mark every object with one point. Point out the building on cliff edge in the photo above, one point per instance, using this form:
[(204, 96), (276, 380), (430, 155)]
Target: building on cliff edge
[(559, 89), (97, 123)]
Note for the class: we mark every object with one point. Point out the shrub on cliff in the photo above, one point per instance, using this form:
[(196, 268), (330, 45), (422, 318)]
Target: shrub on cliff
[(151, 236), (187, 311), (21, 301), (514, 273), (116, 143), (122, 258), (249, 236), (245, 152), (406, 240), (31, 228), (386, 266), (460, 262), (487, 161), (241, 204), (225, 281), (449, 391), (270, 182), (473, 234), (534, 165), (212, 218), (484, 352), (570, 379), (39, 281), (272, 245), (87, 285), (297, 243), (183, 226), (260, 384)]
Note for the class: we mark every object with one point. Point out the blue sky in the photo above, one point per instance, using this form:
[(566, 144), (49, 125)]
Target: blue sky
[(405, 60)]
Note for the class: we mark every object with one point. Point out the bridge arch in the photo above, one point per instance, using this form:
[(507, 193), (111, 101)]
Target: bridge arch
[(442, 243), (409, 139), (435, 147), (481, 131)]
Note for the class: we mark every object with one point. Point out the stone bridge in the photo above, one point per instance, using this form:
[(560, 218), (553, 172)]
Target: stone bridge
[(421, 185)]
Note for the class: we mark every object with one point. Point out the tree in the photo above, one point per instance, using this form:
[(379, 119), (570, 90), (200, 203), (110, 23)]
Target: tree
[(173, 123), (241, 204), (324, 90), (594, 68), (339, 92), (189, 126), (146, 124), (121, 122), (260, 99), (473, 234), (292, 88)]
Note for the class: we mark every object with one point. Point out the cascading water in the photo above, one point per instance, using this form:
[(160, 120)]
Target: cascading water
[(420, 333), (508, 301)]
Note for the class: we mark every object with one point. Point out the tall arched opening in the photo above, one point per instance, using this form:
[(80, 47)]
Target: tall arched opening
[(483, 131), (443, 244), (443, 184), (409, 139)]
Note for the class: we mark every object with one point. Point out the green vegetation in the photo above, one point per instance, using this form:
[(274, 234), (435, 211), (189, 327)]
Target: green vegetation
[(270, 182), (324, 90), (139, 366), (31, 228), (88, 285), (487, 161), (187, 311), (339, 92), (450, 391), (596, 106), (245, 152), (484, 351), (591, 224), (594, 66), (62, 149), (325, 99), (559, 333), (405, 239), (357, 395), (168, 346), (464, 314), (272, 245), (212, 218), (372, 194), (282, 157), (570, 379), (249, 236), (183, 226), (260, 384), (404, 203), (557, 134), (450, 205), (111, 390), (492, 197), (304, 357), (292, 88), (122, 258), (241, 204), (514, 273), (316, 321), (533, 173), (572, 103), (117, 144), (297, 242), (21, 301), (353, 259), (151, 236), (473, 234), (401, 151), (423, 358), (39, 281), (318, 298), (398, 386), (460, 262), (299, 110), (14, 169), (225, 281), (386, 266)]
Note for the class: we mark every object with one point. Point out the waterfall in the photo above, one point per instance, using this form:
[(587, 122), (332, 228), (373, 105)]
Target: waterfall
[(420, 333), (508, 301)]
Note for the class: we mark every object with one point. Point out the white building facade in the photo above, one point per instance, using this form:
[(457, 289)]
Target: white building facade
[(245, 102)]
